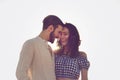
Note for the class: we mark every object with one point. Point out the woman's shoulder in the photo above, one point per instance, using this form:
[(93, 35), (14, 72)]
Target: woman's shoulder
[(82, 54), (83, 61)]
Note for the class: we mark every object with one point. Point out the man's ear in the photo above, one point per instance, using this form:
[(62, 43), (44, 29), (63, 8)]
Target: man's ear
[(50, 28)]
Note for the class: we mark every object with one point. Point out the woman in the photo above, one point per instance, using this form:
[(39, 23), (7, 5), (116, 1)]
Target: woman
[(69, 61)]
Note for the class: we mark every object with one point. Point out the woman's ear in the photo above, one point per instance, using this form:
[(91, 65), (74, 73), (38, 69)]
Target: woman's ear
[(50, 28)]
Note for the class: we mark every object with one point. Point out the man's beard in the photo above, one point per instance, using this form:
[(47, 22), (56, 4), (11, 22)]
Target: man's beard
[(52, 37)]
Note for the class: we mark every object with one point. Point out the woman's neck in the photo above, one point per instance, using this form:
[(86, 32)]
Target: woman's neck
[(65, 50)]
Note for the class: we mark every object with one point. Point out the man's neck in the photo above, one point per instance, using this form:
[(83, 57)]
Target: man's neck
[(44, 35)]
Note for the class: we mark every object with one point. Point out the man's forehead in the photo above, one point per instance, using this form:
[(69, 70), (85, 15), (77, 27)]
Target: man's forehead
[(60, 27)]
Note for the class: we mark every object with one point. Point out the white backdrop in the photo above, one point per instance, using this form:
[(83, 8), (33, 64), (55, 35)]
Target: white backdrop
[(98, 22)]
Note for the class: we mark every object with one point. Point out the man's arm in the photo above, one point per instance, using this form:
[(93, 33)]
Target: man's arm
[(25, 60)]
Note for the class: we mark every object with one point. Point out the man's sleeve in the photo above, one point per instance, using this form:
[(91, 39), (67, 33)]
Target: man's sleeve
[(25, 60)]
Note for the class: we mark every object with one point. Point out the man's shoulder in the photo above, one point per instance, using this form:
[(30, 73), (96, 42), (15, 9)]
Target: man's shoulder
[(30, 41)]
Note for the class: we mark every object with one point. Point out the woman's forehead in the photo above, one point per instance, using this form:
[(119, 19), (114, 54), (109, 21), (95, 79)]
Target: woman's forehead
[(65, 30)]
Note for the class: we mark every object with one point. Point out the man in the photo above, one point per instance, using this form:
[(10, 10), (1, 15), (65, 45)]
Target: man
[(36, 60)]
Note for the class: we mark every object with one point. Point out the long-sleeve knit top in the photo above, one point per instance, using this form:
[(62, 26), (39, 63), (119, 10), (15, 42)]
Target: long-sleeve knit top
[(35, 58)]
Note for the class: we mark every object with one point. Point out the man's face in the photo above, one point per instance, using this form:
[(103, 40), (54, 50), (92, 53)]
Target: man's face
[(56, 33)]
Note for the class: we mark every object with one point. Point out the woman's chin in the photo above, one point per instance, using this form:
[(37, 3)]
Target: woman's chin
[(63, 44)]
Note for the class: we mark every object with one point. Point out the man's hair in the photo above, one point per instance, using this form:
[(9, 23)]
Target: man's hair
[(51, 20)]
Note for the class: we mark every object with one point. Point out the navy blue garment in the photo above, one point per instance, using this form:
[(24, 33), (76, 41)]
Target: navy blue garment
[(67, 67)]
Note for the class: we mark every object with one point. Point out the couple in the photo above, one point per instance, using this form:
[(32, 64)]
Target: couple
[(38, 62)]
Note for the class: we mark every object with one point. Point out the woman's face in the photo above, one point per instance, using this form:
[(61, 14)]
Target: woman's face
[(64, 36)]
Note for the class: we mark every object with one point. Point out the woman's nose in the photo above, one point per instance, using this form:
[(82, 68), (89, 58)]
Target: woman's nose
[(59, 36), (62, 37)]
